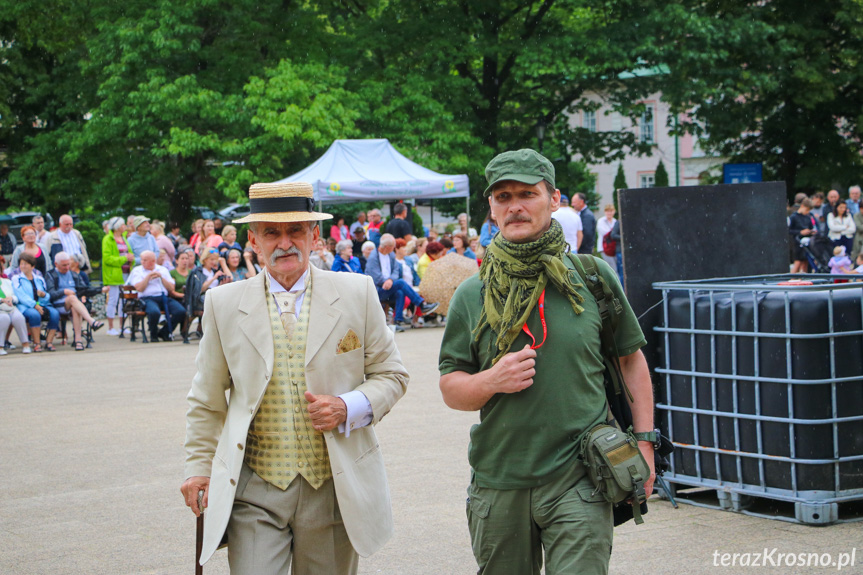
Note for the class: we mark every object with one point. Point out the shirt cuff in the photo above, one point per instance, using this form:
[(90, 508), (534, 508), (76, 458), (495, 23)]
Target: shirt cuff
[(359, 412)]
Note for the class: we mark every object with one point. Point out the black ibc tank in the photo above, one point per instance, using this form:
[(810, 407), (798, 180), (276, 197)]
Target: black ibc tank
[(794, 360)]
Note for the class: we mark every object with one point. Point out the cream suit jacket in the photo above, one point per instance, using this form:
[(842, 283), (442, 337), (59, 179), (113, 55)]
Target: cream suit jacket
[(236, 356)]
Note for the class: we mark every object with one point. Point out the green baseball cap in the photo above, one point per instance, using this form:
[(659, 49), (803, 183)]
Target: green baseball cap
[(526, 166)]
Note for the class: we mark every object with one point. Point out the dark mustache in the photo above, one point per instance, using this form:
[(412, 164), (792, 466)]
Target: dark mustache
[(517, 218)]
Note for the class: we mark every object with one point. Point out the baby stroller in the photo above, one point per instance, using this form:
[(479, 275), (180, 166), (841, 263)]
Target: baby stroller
[(818, 250)]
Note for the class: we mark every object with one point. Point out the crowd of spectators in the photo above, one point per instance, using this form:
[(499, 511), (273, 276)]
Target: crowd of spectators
[(47, 281), (827, 232)]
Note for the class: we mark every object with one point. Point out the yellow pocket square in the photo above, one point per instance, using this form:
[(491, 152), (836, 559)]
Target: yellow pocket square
[(348, 343)]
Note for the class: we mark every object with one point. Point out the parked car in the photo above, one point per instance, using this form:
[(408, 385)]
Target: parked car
[(17, 220), (204, 213), (234, 212)]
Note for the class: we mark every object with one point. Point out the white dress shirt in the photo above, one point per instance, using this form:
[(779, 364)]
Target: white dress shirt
[(358, 406), (154, 286)]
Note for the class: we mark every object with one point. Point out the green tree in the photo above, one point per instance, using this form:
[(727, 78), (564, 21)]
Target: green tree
[(777, 82), (619, 184), (190, 103), (453, 83), (660, 177)]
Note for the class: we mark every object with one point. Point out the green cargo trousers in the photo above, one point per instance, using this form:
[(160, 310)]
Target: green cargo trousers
[(509, 528)]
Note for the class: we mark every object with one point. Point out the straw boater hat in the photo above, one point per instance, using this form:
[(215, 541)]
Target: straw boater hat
[(282, 202)]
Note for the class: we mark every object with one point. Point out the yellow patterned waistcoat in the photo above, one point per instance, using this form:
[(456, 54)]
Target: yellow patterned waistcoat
[(282, 443)]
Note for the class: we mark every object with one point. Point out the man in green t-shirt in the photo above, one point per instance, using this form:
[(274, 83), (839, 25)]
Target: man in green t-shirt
[(522, 346)]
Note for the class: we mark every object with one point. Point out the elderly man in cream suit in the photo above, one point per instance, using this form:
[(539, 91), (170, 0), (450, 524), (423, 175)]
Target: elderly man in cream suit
[(288, 462)]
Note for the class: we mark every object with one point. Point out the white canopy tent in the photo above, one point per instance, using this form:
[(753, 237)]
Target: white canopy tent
[(372, 170)]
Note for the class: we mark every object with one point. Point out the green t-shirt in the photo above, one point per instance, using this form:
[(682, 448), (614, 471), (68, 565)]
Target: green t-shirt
[(526, 439), (179, 280)]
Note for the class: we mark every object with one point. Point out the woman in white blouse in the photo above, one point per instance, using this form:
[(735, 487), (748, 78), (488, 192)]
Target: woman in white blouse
[(841, 227)]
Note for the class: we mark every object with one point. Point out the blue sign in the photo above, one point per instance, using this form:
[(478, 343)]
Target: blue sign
[(741, 173)]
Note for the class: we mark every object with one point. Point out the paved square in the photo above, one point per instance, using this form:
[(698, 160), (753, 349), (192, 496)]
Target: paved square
[(92, 461)]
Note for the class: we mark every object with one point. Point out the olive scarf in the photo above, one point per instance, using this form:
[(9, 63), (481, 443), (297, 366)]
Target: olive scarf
[(514, 276)]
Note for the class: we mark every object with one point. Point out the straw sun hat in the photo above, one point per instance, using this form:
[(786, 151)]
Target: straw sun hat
[(282, 202)]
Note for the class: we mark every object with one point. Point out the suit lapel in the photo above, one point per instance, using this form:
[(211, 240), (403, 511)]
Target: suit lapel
[(323, 317), (255, 324)]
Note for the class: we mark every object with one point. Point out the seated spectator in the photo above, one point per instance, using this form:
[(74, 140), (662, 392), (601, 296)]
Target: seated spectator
[(409, 272), (434, 251), (446, 241), (11, 316), (29, 246), (320, 257), (154, 284), (232, 265), (387, 276), (76, 267), (163, 242), (357, 241), (344, 260), (229, 241), (34, 303), (368, 247), (185, 262), (212, 274), (461, 245), (433, 235), (253, 268), (164, 260), (418, 250), (64, 286)]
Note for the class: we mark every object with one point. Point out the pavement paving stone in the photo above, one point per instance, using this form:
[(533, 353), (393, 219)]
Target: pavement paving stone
[(92, 461)]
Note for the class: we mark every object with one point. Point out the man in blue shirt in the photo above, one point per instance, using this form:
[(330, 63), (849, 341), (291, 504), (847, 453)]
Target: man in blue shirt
[(387, 275), (66, 288), (142, 240)]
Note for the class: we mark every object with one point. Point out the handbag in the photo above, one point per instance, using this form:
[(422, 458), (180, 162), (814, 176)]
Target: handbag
[(615, 465)]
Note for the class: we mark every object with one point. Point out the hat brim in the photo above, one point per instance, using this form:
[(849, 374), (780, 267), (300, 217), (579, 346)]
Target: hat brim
[(529, 179), (284, 217)]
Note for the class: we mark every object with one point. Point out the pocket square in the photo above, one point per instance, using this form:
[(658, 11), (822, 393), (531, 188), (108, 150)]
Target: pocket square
[(348, 343)]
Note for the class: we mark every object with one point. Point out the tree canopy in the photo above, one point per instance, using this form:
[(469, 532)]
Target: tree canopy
[(777, 82), (164, 105)]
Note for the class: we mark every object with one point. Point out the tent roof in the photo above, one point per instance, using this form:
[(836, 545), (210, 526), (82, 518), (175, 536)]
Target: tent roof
[(372, 170)]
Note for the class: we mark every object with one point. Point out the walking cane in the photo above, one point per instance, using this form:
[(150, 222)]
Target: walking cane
[(199, 536)]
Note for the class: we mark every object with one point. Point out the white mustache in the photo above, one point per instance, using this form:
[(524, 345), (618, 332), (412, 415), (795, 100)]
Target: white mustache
[(291, 251)]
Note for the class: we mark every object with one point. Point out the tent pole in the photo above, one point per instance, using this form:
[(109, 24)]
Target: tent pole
[(431, 203), (467, 209)]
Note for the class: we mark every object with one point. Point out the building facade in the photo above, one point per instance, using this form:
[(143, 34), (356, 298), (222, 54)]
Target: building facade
[(680, 155)]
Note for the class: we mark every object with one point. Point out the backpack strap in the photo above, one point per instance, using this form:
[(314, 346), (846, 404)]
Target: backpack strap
[(610, 310)]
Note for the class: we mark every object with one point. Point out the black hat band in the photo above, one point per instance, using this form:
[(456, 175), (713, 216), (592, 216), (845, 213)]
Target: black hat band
[(275, 205)]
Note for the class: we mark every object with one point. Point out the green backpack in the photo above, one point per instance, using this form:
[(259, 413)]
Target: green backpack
[(610, 451)]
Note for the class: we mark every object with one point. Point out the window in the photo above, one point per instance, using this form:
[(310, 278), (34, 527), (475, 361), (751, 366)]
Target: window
[(645, 125), (588, 121), (647, 181)]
